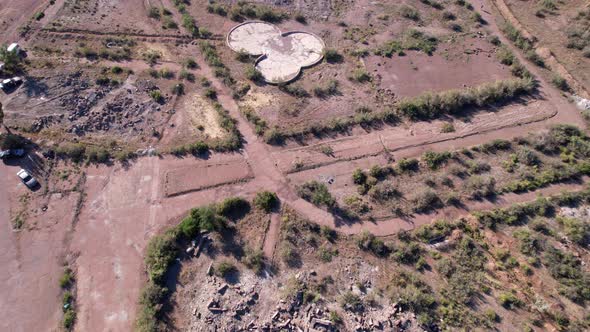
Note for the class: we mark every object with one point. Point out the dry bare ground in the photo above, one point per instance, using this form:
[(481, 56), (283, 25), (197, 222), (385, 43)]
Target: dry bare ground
[(99, 219)]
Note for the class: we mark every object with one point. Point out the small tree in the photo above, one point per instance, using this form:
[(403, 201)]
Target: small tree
[(266, 200)]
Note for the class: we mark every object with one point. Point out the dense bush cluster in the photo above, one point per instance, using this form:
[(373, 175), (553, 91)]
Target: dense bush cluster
[(411, 40), (266, 201), (317, 193)]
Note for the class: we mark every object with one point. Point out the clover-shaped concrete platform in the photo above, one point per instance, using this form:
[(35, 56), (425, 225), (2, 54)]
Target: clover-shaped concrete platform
[(281, 55)]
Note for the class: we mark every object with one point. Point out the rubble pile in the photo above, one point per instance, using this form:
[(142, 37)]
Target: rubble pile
[(82, 107), (220, 306), (123, 113)]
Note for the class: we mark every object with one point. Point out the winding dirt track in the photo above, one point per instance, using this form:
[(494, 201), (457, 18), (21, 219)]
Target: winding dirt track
[(125, 206)]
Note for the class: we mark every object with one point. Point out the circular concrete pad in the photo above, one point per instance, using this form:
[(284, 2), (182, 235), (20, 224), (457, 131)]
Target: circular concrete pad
[(282, 55)]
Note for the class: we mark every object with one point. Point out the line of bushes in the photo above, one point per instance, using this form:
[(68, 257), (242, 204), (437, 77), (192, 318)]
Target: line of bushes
[(424, 107), (67, 284), (432, 105), (336, 125), (523, 43), (522, 213), (80, 152), (214, 60), (163, 249), (548, 177)]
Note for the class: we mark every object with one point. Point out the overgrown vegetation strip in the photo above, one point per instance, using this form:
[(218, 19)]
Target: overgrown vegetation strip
[(427, 106)]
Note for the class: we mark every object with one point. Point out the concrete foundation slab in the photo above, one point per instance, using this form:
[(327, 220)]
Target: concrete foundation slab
[(281, 55)]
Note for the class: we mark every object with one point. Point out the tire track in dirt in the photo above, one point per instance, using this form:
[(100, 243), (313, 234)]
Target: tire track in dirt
[(390, 150), (271, 238)]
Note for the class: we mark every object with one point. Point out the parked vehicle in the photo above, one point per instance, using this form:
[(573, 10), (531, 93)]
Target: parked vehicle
[(10, 83), (27, 179), (14, 152), (14, 47)]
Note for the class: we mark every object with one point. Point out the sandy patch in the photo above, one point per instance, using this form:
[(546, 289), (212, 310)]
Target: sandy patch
[(203, 115)]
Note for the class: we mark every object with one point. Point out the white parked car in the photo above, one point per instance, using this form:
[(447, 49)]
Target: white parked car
[(14, 47), (10, 83), (27, 179)]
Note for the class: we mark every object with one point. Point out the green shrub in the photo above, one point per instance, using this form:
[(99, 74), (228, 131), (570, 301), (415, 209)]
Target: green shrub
[(190, 25), (367, 241), (384, 192), (266, 201), (560, 83), (478, 187), (168, 23), (69, 319), (576, 230), (160, 253), (434, 160), (167, 73), (329, 89), (411, 293), (332, 56), (151, 300), (38, 16), (75, 151), (211, 93), (407, 253), (360, 75), (408, 165), (178, 89), (509, 300), (157, 96), (152, 57), (566, 269), (154, 12), (190, 63), (254, 259), (233, 206), (67, 278), (224, 269), (435, 231), (294, 90), (253, 74), (317, 193), (358, 176), (506, 56), (326, 254), (409, 12), (218, 9), (274, 136)]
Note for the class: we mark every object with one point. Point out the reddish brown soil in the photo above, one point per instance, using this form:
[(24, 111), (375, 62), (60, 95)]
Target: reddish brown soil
[(124, 206), (467, 61), (33, 258), (551, 33)]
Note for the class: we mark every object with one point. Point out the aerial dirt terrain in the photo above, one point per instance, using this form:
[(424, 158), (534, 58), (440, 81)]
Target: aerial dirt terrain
[(371, 166)]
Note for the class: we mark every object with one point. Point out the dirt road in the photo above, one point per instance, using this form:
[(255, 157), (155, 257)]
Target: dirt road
[(125, 206)]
